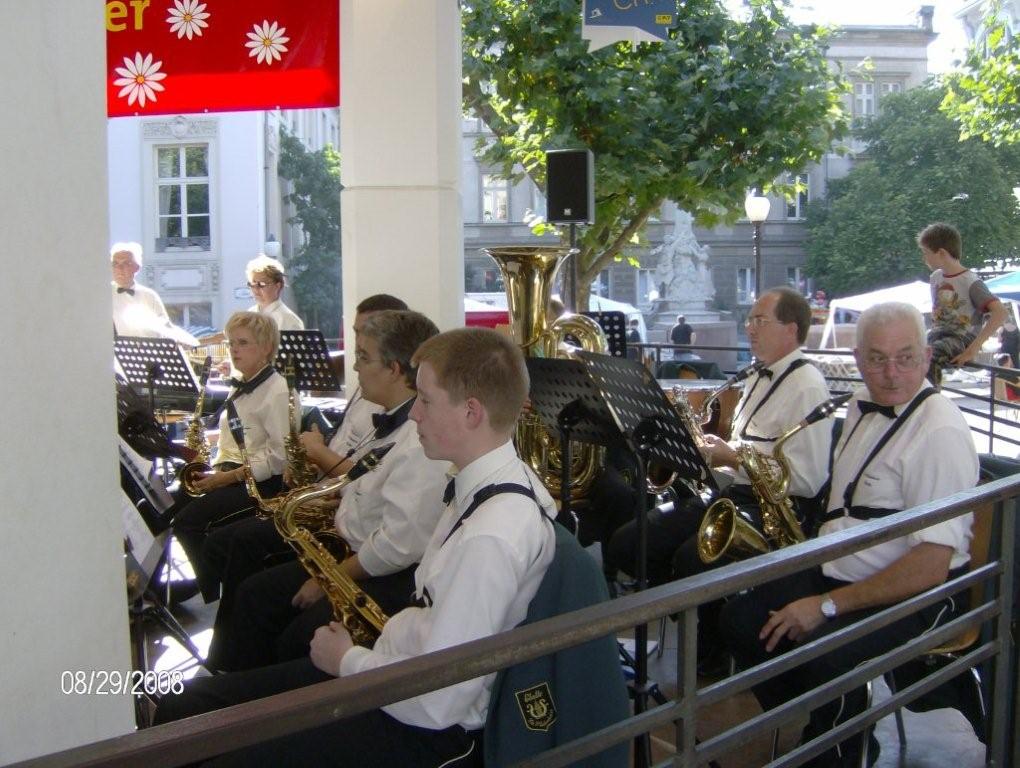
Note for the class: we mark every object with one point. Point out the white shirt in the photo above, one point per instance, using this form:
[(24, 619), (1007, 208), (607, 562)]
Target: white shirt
[(142, 314), (265, 416), (284, 316), (356, 426), (389, 514), (480, 581), (931, 456), (808, 451)]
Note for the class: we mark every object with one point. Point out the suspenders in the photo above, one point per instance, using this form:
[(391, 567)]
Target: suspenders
[(482, 496), (771, 391)]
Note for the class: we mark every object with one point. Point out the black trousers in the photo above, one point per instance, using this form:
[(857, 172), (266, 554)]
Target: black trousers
[(666, 532), (265, 628), (743, 617), (233, 553), (363, 741), (196, 517)]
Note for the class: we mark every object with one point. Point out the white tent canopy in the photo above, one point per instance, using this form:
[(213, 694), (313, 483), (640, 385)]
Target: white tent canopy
[(916, 293)]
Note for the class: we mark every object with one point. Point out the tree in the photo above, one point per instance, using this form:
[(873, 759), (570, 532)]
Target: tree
[(722, 106), (916, 171), (314, 270), (984, 98)]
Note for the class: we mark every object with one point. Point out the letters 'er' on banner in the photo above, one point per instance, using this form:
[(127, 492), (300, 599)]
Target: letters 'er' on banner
[(172, 56)]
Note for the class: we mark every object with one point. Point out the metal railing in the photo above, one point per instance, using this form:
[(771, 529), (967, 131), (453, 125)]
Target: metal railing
[(208, 735)]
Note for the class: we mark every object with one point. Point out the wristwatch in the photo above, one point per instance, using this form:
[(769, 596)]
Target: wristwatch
[(828, 607)]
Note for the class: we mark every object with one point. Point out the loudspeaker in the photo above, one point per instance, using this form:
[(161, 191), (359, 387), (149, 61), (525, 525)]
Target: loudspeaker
[(570, 186)]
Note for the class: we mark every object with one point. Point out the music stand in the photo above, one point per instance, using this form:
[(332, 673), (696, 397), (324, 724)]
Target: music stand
[(604, 400), (614, 326), (310, 355), (155, 364)]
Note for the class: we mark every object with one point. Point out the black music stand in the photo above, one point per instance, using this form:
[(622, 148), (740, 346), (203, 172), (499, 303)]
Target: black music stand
[(313, 369), (614, 326), (608, 400), (155, 364)]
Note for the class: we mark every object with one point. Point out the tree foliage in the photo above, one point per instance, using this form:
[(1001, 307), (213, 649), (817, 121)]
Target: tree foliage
[(984, 98), (722, 106), (916, 171), (314, 269)]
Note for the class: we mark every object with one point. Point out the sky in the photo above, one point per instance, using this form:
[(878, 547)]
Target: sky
[(949, 44)]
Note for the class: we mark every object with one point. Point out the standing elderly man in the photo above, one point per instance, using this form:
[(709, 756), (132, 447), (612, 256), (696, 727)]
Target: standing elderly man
[(903, 445), (266, 280), (137, 310)]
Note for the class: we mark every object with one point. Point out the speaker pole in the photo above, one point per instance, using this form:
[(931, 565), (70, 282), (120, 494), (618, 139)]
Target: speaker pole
[(570, 284)]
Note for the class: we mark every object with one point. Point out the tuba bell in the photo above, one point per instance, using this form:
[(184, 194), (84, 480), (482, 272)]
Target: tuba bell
[(528, 273), (726, 531)]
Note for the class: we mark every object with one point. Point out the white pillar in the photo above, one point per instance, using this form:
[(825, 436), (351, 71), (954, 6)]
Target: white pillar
[(400, 141), (63, 601)]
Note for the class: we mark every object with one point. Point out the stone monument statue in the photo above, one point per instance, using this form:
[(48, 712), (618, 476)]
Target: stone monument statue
[(682, 267)]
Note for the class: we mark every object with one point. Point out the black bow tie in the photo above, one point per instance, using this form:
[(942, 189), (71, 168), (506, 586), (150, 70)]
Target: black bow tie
[(129, 291), (385, 423), (450, 492), (766, 372), (867, 407), (244, 387)]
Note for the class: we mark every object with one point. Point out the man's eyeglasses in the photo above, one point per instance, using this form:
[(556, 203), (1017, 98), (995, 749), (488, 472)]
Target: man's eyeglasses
[(757, 321), (907, 361), (261, 284)]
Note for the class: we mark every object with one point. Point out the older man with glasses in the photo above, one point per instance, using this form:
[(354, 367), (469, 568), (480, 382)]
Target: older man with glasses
[(778, 394), (266, 279), (903, 445)]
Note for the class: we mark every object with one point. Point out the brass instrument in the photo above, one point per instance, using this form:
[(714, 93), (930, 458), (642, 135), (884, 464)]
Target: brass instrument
[(196, 440), (301, 472), (528, 274), (694, 421), (359, 613), (725, 531)]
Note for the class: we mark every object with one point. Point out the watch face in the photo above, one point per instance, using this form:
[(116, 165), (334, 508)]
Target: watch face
[(828, 608)]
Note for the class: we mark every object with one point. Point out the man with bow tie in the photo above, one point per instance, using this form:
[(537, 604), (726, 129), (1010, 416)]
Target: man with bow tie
[(387, 516), (775, 397), (903, 444), (137, 310)]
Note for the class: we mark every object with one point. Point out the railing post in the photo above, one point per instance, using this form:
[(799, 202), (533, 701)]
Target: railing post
[(991, 412), (687, 687), (1006, 684)]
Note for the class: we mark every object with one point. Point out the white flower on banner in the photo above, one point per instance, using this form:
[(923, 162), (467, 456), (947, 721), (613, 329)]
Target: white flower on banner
[(187, 18), (267, 42), (140, 79)]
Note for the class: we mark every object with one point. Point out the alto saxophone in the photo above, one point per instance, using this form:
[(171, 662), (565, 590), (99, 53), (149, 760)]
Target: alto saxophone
[(724, 531), (302, 473), (359, 613), (195, 439)]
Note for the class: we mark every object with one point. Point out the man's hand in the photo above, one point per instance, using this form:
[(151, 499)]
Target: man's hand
[(312, 440), (719, 453), (210, 481), (795, 621), (329, 646), (309, 593)]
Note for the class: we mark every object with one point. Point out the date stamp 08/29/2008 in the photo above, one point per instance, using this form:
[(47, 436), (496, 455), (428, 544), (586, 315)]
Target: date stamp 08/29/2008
[(99, 682)]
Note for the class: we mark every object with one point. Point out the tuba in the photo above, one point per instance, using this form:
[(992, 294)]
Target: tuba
[(358, 612), (725, 531), (528, 273), (195, 440)]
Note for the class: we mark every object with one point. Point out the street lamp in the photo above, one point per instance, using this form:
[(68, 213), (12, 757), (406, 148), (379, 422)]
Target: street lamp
[(757, 209)]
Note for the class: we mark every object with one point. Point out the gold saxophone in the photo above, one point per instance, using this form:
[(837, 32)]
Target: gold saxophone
[(725, 532), (528, 273), (659, 477), (359, 613), (195, 439), (302, 473)]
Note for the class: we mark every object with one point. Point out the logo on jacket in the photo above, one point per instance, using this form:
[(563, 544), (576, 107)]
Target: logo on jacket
[(537, 708)]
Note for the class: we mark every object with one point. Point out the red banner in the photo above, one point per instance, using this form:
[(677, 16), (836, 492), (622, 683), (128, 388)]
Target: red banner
[(172, 56)]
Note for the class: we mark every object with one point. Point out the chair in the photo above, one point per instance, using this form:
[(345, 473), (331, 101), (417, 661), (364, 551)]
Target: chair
[(975, 711)]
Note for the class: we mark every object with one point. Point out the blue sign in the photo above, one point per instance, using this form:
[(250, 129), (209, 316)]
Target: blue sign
[(651, 16)]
